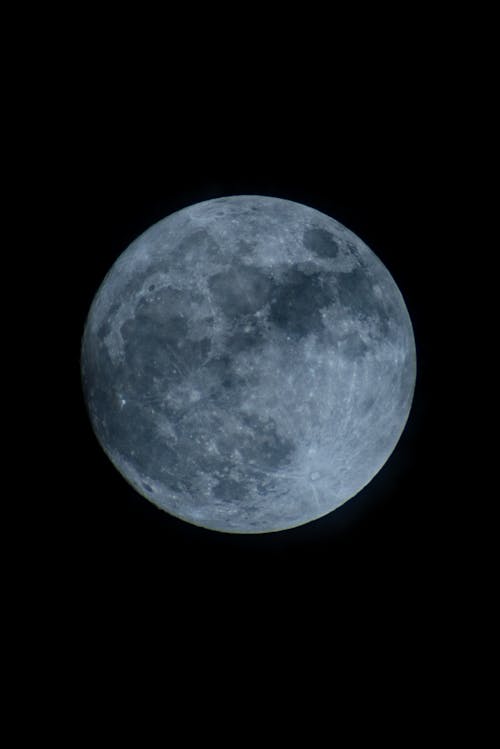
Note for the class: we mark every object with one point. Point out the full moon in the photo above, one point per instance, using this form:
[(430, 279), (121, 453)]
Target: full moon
[(248, 364)]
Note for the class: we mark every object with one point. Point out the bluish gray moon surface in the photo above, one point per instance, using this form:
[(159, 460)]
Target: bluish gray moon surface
[(248, 364)]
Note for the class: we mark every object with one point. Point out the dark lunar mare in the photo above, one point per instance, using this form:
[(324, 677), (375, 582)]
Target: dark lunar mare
[(297, 301)]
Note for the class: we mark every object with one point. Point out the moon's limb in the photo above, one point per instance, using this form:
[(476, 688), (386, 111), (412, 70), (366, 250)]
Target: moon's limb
[(248, 364)]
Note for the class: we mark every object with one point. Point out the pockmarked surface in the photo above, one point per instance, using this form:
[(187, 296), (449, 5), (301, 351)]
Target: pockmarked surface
[(248, 364)]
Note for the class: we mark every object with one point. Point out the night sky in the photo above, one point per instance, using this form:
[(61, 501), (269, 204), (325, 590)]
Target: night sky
[(138, 150), (373, 606)]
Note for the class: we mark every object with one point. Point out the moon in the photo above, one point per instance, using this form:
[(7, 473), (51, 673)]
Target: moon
[(248, 364)]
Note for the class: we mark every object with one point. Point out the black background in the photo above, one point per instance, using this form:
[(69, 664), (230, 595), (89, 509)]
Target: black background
[(146, 129), (129, 120)]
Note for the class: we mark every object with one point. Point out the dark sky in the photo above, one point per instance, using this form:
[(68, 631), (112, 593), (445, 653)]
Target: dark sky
[(373, 616), (372, 156)]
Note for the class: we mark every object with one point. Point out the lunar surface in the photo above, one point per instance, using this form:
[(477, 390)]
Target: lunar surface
[(248, 364)]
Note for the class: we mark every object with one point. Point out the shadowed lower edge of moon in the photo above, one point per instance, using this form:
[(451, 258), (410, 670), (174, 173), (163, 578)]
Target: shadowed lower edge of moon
[(249, 531), (142, 489)]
